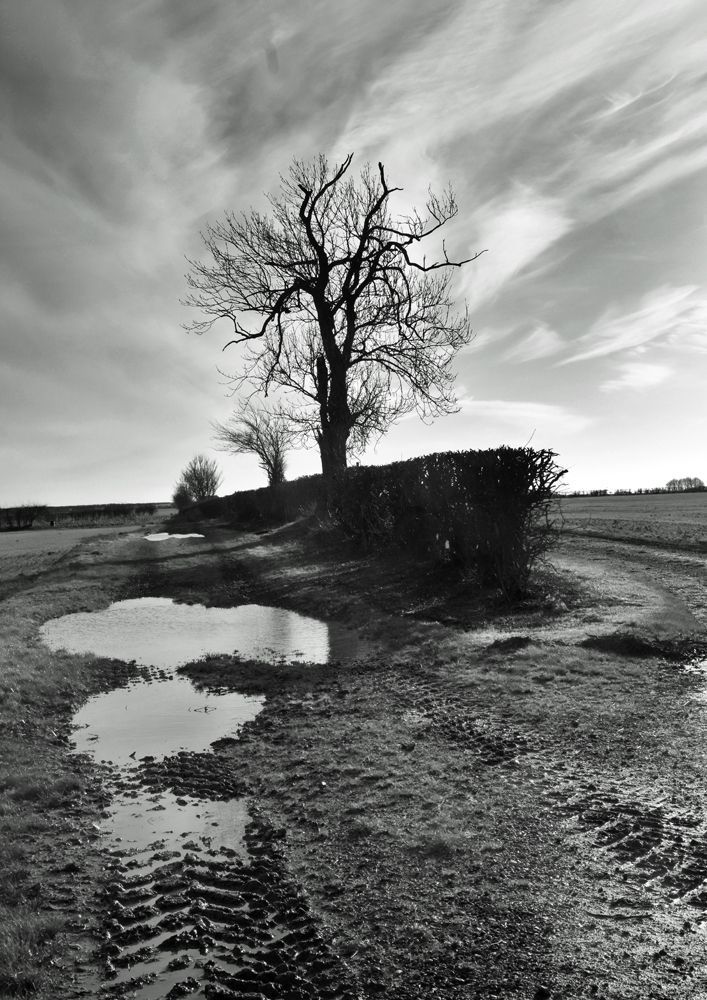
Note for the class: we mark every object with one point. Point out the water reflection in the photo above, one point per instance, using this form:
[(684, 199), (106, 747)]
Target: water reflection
[(183, 875), (156, 631), (162, 536), (158, 718)]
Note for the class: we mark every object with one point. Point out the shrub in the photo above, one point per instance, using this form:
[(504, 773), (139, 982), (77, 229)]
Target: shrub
[(200, 479), (486, 512), (280, 503), (182, 497)]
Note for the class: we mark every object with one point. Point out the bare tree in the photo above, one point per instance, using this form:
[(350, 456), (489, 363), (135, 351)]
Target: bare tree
[(684, 484), (258, 431), (199, 480), (335, 305)]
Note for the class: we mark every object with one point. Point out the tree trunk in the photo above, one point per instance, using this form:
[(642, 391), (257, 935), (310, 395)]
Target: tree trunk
[(335, 419), (332, 448)]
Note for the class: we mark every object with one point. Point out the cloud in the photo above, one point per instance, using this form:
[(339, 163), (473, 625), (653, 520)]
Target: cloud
[(594, 105), (478, 342), (525, 415), (664, 314), (515, 229), (489, 336), (126, 126), (539, 343), (637, 375), (620, 102)]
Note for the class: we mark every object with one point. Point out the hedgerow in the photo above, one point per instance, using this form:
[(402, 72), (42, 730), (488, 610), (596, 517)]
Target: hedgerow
[(483, 511)]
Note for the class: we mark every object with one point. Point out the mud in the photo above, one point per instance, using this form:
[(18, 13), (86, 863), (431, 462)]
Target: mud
[(490, 803), (198, 901), (215, 922)]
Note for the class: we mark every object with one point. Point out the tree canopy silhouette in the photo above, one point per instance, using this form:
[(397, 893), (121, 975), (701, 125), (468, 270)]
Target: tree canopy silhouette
[(199, 480), (261, 432), (335, 304)]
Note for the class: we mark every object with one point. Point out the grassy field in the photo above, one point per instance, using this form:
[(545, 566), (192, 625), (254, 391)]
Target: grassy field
[(24, 555), (676, 520), (50, 799)]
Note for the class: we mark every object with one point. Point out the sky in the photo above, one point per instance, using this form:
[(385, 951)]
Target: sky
[(574, 135)]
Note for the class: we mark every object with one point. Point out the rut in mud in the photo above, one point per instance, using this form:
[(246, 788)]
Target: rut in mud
[(659, 846), (477, 818), (198, 900), (215, 922)]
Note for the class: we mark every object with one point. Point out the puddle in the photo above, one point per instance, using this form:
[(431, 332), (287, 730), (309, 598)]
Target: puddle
[(158, 718), (157, 632), (197, 900), (162, 536), (212, 825)]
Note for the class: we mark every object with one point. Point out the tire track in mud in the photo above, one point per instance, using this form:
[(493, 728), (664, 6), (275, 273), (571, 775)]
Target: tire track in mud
[(198, 899), (447, 717), (658, 847), (214, 922)]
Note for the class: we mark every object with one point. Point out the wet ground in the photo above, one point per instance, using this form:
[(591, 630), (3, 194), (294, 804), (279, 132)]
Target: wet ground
[(480, 803), (197, 901), (159, 632), (165, 536)]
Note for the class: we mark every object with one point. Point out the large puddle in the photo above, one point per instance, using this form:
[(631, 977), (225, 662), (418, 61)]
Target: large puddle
[(186, 914), (158, 632), (163, 536)]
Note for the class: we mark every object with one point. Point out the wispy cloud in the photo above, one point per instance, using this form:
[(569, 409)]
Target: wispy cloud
[(667, 312), (525, 416), (488, 336), (514, 229), (636, 375), (620, 102), (541, 342), (126, 126), (478, 342)]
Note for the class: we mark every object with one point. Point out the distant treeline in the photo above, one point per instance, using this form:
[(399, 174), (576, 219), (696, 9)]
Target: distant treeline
[(699, 487), (78, 515)]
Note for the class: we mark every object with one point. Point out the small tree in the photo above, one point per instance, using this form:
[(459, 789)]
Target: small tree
[(258, 431), (337, 303), (181, 497), (199, 480)]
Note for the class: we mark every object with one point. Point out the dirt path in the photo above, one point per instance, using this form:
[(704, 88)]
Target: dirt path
[(479, 806)]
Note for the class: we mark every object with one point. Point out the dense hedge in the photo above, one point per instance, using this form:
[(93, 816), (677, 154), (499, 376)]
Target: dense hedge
[(21, 518), (284, 502), (484, 511)]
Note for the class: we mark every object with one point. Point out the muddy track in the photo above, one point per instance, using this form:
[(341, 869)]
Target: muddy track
[(688, 547), (219, 923), (661, 848), (215, 922)]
